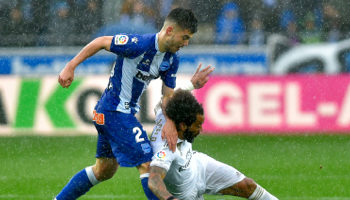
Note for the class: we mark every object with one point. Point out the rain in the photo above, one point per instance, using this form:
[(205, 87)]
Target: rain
[(276, 107)]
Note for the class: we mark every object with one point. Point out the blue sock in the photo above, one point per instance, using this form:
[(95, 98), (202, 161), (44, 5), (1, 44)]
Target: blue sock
[(144, 181), (78, 185)]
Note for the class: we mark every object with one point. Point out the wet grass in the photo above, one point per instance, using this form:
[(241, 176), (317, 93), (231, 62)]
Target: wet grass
[(291, 167)]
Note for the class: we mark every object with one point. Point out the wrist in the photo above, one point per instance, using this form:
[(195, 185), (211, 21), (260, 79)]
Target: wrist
[(72, 64), (188, 85)]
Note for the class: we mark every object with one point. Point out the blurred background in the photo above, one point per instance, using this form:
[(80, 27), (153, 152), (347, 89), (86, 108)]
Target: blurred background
[(281, 66), (277, 106), (239, 22)]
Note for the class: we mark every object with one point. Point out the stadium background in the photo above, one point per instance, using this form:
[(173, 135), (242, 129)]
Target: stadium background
[(277, 106)]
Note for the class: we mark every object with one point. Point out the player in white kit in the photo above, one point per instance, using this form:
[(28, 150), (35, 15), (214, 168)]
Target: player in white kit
[(187, 174)]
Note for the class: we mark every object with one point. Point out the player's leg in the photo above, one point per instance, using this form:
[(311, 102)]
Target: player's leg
[(144, 174), (131, 146), (247, 188), (104, 168), (85, 179), (223, 179)]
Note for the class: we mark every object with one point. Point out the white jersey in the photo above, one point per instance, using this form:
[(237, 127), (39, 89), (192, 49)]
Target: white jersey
[(180, 168), (190, 174)]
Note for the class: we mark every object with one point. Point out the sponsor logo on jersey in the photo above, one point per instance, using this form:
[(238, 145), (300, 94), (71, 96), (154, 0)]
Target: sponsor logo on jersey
[(146, 62), (127, 105), (145, 76), (161, 154), (99, 118), (121, 39)]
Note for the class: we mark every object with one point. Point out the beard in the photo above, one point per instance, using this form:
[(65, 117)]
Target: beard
[(171, 46), (189, 135)]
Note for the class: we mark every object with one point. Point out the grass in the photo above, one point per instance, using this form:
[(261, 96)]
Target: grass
[(315, 167)]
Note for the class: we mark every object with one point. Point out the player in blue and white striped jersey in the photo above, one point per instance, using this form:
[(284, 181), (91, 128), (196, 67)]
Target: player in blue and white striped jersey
[(140, 59)]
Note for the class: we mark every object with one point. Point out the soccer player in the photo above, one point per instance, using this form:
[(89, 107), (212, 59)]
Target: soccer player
[(140, 59), (187, 174)]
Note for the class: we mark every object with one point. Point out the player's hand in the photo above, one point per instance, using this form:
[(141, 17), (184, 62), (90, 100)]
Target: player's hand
[(201, 77), (66, 76), (170, 134)]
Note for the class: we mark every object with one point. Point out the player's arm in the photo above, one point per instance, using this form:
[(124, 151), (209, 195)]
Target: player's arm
[(198, 80), (169, 129), (67, 74), (156, 183)]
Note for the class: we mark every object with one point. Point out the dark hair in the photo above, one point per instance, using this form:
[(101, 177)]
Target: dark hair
[(183, 107), (184, 18)]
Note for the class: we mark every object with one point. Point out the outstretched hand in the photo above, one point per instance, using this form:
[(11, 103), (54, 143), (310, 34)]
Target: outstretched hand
[(201, 77), (66, 77)]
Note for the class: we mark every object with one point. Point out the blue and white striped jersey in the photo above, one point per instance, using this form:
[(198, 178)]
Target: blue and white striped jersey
[(138, 62)]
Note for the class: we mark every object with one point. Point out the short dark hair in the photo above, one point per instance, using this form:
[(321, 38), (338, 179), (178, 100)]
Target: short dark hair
[(183, 107), (184, 18)]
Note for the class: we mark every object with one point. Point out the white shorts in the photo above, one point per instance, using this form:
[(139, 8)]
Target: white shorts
[(214, 176)]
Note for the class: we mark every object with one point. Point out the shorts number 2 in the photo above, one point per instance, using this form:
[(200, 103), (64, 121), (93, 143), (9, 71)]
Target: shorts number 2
[(138, 132)]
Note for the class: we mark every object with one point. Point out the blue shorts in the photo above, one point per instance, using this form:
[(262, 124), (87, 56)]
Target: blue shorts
[(121, 136)]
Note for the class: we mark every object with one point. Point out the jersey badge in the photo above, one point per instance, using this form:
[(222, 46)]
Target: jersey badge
[(134, 40), (146, 148), (161, 154), (121, 39)]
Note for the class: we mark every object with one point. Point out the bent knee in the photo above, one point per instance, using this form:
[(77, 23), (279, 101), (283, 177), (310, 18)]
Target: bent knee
[(246, 186), (105, 170), (144, 167), (243, 188)]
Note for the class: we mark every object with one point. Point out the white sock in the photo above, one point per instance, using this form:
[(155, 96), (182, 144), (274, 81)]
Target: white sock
[(145, 175), (91, 176), (261, 194)]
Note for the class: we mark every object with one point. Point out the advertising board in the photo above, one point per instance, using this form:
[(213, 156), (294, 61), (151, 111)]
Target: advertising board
[(293, 104), (50, 61), (277, 104)]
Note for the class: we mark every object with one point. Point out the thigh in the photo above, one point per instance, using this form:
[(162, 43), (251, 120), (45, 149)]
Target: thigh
[(217, 175), (127, 139), (103, 149)]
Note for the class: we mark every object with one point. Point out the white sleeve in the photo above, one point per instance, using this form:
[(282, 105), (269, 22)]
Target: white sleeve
[(163, 159), (155, 138), (185, 85), (162, 156)]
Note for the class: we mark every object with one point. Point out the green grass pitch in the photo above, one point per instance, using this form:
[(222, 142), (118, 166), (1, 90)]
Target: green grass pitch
[(315, 167)]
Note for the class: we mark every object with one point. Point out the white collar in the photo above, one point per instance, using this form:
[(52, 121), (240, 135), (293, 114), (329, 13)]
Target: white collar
[(179, 140), (156, 42)]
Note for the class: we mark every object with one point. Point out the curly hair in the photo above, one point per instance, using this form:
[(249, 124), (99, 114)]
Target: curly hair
[(184, 18), (183, 107)]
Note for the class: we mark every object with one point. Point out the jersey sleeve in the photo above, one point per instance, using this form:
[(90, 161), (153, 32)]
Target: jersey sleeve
[(128, 45), (169, 76), (163, 159), (156, 140), (162, 156)]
